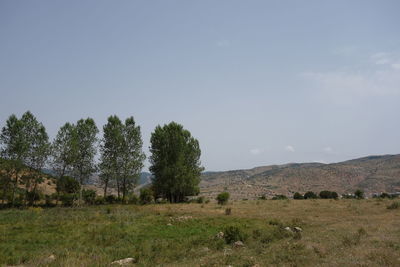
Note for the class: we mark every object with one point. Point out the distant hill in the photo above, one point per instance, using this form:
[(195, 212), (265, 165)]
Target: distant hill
[(372, 174)]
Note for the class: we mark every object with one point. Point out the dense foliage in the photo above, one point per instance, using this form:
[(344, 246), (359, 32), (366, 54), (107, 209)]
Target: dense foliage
[(175, 162)]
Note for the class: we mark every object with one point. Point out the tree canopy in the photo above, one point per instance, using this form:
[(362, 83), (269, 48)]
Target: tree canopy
[(175, 162)]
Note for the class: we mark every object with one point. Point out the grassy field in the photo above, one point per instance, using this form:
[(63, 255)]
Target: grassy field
[(335, 233)]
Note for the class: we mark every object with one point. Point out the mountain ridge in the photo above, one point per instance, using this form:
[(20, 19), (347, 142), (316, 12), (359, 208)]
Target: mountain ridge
[(372, 174)]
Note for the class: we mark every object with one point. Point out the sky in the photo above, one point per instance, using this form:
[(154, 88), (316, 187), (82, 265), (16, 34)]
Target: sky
[(256, 82)]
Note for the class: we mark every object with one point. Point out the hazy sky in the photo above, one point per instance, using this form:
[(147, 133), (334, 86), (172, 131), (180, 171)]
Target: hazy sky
[(256, 82)]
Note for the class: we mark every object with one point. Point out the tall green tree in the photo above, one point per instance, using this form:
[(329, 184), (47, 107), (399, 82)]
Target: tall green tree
[(132, 156), (37, 153), (111, 149), (175, 162), (86, 147), (14, 148), (121, 155), (6, 172), (25, 142), (63, 150)]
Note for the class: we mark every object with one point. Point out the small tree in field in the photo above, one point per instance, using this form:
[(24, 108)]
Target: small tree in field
[(175, 162), (310, 195), (359, 194), (223, 198), (297, 195)]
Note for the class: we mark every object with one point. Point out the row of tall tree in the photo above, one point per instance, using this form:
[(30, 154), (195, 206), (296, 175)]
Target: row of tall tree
[(25, 146)]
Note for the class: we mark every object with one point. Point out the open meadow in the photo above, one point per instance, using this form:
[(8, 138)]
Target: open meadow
[(333, 233)]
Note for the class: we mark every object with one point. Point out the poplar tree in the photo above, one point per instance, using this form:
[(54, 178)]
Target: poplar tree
[(63, 150), (13, 148), (175, 162), (121, 155), (132, 156), (85, 141), (111, 149), (37, 153)]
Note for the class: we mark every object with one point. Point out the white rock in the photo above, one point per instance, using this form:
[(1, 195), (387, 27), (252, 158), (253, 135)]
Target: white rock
[(238, 244), (298, 229), (220, 235), (288, 229), (124, 261)]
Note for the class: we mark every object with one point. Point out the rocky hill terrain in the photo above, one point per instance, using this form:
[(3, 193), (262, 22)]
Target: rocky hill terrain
[(373, 174)]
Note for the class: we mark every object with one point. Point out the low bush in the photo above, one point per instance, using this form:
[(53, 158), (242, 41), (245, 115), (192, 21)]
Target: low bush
[(111, 199), (310, 195), (359, 194), (297, 195), (328, 194), (228, 211), (146, 196), (133, 199), (394, 205), (68, 199), (200, 200), (89, 196), (99, 200), (223, 198), (233, 234), (279, 197)]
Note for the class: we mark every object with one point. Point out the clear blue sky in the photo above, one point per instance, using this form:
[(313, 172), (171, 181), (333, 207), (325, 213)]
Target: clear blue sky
[(257, 82)]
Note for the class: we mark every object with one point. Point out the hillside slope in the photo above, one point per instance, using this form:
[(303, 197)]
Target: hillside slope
[(371, 174)]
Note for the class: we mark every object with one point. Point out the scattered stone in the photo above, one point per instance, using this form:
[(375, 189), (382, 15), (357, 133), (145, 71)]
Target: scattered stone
[(181, 218), (50, 258), (238, 244), (220, 235), (298, 229), (205, 249), (124, 261), (169, 224), (288, 229), (227, 251)]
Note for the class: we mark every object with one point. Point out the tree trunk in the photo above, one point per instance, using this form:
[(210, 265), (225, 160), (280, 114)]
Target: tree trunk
[(118, 188), (123, 189), (105, 187), (15, 182)]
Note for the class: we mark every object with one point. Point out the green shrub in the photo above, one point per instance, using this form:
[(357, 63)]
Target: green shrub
[(263, 197), (89, 196), (133, 199), (223, 198), (394, 205), (297, 195), (99, 200), (67, 185), (68, 199), (228, 211), (328, 195), (111, 199), (310, 195), (146, 196), (359, 194), (233, 234), (200, 200), (279, 197)]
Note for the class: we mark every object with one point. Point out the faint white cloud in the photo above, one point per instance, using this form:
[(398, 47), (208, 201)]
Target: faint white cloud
[(375, 79), (348, 50), (256, 151), (223, 43), (396, 66), (381, 58), (289, 148), (328, 149)]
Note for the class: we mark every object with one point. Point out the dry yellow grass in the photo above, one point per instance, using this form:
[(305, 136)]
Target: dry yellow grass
[(335, 232)]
